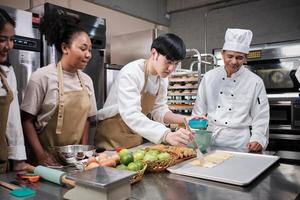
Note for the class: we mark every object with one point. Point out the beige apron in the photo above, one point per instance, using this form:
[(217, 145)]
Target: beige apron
[(4, 108), (67, 124), (113, 132)]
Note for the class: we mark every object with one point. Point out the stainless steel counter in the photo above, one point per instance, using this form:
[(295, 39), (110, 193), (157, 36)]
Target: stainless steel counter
[(281, 181)]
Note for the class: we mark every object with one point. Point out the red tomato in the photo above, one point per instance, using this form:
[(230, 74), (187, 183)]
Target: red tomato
[(118, 149)]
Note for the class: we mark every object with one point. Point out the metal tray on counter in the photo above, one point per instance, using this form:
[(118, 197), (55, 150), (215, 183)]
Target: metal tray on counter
[(241, 169)]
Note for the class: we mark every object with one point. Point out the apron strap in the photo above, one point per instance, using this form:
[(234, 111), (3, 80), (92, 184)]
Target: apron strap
[(81, 81), (4, 82), (60, 98), (146, 75), (2, 72)]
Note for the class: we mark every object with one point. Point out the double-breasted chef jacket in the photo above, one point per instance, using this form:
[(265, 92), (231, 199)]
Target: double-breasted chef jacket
[(234, 105)]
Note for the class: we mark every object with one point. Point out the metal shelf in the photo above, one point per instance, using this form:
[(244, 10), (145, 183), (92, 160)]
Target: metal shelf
[(183, 88), (182, 94), (184, 101), (173, 80), (181, 107)]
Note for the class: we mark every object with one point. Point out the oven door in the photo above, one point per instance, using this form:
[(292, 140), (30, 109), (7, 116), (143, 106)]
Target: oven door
[(296, 114), (278, 74), (280, 113)]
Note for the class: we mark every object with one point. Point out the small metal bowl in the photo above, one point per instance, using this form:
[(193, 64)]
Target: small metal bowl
[(70, 154)]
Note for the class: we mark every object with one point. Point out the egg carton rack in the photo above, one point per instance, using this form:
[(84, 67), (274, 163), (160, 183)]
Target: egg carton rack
[(183, 83)]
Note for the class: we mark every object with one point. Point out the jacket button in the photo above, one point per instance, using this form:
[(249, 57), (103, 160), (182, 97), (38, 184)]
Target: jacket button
[(215, 120), (229, 108), (219, 106), (234, 80), (221, 92), (232, 95), (223, 78), (225, 122)]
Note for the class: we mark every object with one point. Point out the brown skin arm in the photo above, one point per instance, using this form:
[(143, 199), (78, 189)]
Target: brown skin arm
[(85, 135), (254, 146), (32, 139)]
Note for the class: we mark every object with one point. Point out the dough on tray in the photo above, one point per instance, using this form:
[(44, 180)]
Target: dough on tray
[(212, 160)]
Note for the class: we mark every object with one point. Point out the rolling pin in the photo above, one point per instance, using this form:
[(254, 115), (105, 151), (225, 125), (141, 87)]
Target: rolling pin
[(52, 175)]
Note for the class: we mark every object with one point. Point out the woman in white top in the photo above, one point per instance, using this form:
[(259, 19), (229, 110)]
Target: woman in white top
[(11, 134), (59, 98), (139, 90)]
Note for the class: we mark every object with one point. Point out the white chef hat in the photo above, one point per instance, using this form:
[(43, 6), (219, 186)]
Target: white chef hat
[(237, 40)]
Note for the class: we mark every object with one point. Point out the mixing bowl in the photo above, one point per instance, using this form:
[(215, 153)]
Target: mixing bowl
[(70, 154)]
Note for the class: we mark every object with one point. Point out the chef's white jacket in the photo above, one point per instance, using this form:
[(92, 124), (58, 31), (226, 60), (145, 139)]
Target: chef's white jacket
[(125, 98), (233, 104), (14, 131)]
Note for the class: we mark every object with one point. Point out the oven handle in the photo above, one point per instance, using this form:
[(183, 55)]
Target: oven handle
[(284, 136), (281, 103)]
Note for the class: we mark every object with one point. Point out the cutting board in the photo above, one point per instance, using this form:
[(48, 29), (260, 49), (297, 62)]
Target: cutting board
[(241, 169)]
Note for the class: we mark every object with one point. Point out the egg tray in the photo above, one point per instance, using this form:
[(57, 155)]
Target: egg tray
[(139, 176)]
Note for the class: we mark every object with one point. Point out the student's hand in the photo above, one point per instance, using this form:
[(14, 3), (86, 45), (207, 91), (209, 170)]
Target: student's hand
[(180, 137), (46, 159), (254, 146), (20, 166)]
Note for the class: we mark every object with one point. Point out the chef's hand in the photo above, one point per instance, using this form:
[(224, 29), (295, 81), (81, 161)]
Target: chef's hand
[(254, 146), (180, 137), (46, 159)]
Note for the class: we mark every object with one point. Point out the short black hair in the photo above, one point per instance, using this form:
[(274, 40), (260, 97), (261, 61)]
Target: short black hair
[(59, 27), (5, 19), (170, 45)]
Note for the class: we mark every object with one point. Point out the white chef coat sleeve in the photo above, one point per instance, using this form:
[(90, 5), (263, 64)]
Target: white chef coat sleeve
[(200, 106), (260, 113), (160, 107), (14, 132), (129, 105)]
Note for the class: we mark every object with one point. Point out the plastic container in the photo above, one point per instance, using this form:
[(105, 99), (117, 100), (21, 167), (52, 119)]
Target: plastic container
[(202, 136), (198, 123), (203, 139)]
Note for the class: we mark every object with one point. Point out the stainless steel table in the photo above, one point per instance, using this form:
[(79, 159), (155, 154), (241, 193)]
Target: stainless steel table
[(280, 182)]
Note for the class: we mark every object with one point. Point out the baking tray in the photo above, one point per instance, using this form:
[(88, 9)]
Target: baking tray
[(100, 177), (241, 169)]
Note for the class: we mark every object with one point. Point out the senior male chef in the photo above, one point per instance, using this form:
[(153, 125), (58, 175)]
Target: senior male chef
[(234, 98)]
